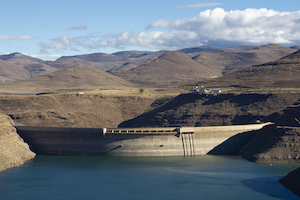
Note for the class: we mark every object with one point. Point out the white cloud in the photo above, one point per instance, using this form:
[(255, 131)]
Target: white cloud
[(215, 27), (50, 57), (197, 5), (81, 27), (22, 37), (68, 43)]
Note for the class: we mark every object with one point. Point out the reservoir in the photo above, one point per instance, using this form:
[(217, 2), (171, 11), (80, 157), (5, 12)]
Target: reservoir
[(147, 178)]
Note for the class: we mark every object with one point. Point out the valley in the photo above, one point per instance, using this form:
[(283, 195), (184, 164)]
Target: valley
[(143, 89)]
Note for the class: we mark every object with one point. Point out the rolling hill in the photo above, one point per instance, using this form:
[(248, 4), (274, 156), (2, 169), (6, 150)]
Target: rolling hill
[(216, 60), (17, 66), (195, 51), (17, 55), (70, 79), (105, 61), (171, 68), (284, 72), (227, 62)]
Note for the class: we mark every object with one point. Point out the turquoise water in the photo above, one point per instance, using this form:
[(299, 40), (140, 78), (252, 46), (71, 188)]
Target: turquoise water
[(199, 177)]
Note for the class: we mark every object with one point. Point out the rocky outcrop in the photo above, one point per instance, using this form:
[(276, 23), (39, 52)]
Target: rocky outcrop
[(292, 182), (274, 144), (13, 150)]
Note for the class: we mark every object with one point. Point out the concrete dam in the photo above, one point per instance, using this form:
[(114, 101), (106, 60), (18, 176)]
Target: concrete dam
[(164, 141)]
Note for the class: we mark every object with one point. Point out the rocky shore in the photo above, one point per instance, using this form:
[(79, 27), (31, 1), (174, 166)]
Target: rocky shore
[(13, 150), (274, 144)]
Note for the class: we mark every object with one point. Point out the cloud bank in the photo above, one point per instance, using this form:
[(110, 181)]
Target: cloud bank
[(197, 5), (81, 27), (215, 27), (23, 37)]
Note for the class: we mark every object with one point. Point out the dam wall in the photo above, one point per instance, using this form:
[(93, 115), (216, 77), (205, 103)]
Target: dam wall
[(164, 141)]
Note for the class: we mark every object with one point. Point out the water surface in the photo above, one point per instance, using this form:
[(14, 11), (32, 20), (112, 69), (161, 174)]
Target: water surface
[(198, 177)]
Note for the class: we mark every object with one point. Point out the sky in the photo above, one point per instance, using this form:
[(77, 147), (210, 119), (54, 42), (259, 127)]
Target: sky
[(50, 29)]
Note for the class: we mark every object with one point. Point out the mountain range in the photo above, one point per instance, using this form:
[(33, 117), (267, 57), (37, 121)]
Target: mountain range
[(135, 68), (171, 68), (280, 73), (227, 62), (70, 79)]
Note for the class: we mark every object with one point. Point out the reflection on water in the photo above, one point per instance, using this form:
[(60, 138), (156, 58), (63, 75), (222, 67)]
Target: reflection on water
[(198, 177)]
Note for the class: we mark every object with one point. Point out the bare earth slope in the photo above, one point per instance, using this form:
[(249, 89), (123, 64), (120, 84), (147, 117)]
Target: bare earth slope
[(16, 55), (70, 79), (195, 51), (274, 144), (279, 143), (73, 61), (19, 67), (105, 61), (73, 110), (172, 68), (215, 110), (284, 72), (13, 150), (227, 62)]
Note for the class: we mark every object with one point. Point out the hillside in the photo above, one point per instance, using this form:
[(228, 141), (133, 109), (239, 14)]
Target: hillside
[(227, 62), (73, 61), (273, 144), (18, 67), (101, 61), (215, 110), (73, 110), (171, 68), (105, 61), (14, 151), (17, 55), (195, 51), (123, 68), (70, 79), (220, 60), (10, 72), (284, 72), (296, 47)]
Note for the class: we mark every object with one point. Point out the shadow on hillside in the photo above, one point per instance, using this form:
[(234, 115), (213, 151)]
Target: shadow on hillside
[(288, 117), (246, 119), (223, 109), (154, 118), (265, 139), (239, 100), (233, 144)]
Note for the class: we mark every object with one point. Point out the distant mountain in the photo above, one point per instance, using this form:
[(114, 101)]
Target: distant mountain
[(94, 57), (105, 61), (18, 66), (194, 51), (70, 79), (227, 62), (123, 68), (296, 47), (284, 72), (139, 54), (10, 72), (17, 55), (64, 63), (171, 68)]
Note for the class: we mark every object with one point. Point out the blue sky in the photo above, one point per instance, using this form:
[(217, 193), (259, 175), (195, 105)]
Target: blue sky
[(49, 29)]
